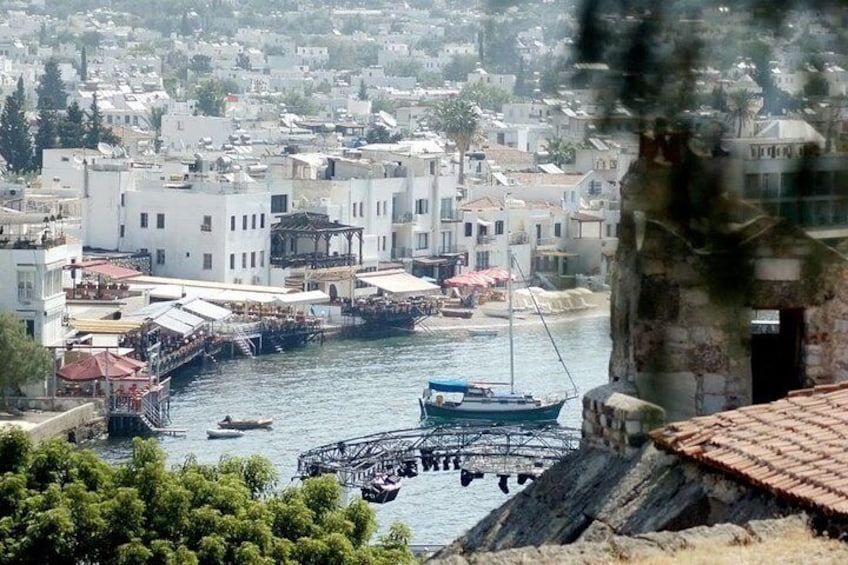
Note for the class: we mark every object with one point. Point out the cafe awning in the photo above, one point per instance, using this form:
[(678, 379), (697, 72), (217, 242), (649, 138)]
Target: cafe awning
[(104, 268), (397, 281), (102, 365)]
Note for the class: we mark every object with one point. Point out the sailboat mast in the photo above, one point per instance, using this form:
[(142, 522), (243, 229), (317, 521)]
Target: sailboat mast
[(509, 297)]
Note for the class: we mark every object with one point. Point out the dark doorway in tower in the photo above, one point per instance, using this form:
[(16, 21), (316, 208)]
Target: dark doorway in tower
[(776, 337)]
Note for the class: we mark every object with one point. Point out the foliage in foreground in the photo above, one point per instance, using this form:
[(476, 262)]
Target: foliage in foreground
[(62, 506)]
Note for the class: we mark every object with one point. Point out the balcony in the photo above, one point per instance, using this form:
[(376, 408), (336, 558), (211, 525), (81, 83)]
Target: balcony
[(406, 218), (450, 216), (486, 239), (401, 253), (314, 261), (34, 241), (205, 227)]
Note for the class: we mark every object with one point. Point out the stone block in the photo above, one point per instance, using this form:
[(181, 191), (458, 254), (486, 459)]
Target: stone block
[(713, 403), (773, 269), (713, 383), (675, 392)]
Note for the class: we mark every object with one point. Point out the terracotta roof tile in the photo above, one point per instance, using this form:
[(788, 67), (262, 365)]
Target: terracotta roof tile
[(796, 447)]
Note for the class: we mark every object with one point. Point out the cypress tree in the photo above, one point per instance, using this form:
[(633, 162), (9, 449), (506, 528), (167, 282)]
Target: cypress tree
[(15, 143), (94, 127), (51, 89), (72, 128), (83, 69), (47, 136)]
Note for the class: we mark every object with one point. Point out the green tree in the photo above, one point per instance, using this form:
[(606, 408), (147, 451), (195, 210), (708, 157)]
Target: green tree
[(60, 505), (742, 108), (200, 64), (15, 139), (560, 151), (486, 96), (94, 126), (51, 90), (23, 359), (459, 66), (379, 134), (47, 136), (243, 61), (72, 127), (816, 86), (83, 68), (460, 120), (363, 90), (210, 98), (155, 119)]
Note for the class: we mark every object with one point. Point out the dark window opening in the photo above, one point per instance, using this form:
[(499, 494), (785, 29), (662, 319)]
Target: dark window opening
[(776, 338)]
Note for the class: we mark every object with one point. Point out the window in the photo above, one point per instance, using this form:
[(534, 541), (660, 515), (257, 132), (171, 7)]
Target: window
[(160, 221), (421, 240), (244, 260), (361, 210), (123, 200), (482, 260), (160, 256), (207, 224), (447, 208), (232, 223), (143, 220), (383, 246), (469, 229), (421, 206), (232, 261), (262, 221), (253, 222), (557, 230), (499, 227), (609, 230), (207, 261), (279, 203), (244, 222), (354, 210), (26, 285), (262, 258), (379, 207), (122, 230), (253, 259)]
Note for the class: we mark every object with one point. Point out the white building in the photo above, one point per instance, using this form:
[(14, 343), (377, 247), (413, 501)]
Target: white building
[(32, 260)]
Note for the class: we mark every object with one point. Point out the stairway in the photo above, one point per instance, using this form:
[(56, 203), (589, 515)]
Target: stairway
[(244, 344)]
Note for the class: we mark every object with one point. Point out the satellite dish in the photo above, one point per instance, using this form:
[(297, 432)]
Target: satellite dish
[(105, 149)]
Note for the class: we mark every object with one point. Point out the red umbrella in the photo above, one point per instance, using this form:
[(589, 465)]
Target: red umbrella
[(102, 365), (496, 273)]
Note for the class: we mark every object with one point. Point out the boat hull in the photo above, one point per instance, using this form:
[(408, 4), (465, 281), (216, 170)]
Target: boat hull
[(545, 413), (245, 424), (224, 434)]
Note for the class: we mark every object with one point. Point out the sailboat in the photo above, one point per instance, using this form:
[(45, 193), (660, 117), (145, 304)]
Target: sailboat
[(457, 399)]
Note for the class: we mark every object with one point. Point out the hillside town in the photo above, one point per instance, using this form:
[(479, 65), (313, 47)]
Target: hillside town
[(184, 182)]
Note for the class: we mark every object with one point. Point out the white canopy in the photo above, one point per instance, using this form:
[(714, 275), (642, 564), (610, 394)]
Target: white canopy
[(397, 281), (207, 310), (308, 297)]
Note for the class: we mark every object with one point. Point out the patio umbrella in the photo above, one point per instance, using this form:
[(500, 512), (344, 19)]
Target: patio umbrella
[(471, 278), (101, 365), (498, 274)]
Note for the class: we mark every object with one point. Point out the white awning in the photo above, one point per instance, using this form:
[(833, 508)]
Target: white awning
[(308, 297), (485, 223), (397, 281), (205, 310)]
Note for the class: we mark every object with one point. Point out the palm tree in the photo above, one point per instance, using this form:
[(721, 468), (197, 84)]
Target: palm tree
[(155, 119), (560, 151), (460, 120), (743, 106)]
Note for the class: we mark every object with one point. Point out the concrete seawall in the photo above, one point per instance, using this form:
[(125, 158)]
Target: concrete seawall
[(62, 424)]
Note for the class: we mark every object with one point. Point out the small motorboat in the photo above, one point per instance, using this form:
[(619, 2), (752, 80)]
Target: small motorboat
[(229, 423), (482, 332), (223, 434)]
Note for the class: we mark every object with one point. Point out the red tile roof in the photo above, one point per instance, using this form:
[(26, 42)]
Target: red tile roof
[(796, 447)]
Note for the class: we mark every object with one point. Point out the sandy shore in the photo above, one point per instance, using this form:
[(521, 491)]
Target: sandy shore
[(599, 305)]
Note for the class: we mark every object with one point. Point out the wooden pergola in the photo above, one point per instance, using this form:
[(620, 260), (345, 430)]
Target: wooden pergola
[(290, 229)]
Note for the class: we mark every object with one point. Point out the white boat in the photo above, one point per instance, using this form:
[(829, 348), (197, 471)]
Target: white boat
[(223, 433), (456, 399), (251, 424)]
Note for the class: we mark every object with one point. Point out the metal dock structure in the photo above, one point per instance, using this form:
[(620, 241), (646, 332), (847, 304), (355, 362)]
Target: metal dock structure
[(474, 450)]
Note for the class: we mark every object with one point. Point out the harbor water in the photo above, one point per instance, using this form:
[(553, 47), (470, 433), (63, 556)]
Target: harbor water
[(349, 388)]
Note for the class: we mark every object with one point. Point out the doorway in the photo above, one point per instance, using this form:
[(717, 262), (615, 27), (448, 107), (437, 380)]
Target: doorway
[(776, 337)]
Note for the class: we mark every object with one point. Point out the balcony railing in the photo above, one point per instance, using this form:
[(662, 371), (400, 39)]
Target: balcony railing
[(450, 249), (450, 216), (401, 253), (31, 241), (405, 218), (485, 239), (313, 261)]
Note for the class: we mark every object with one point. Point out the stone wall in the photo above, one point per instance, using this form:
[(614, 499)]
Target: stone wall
[(687, 278), (60, 426), (614, 419)]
